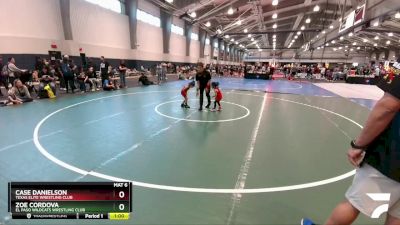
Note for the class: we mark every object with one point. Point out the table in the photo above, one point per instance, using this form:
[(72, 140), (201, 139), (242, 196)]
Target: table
[(263, 76), (361, 80)]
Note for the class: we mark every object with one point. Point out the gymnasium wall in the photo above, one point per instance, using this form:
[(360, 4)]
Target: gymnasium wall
[(29, 27)]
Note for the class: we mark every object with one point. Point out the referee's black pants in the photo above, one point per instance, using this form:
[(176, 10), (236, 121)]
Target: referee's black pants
[(201, 97)]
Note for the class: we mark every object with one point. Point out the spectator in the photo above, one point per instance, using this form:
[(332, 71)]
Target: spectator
[(108, 85), (103, 69), (145, 80), (91, 74), (122, 74), (83, 79), (112, 78), (3, 78), (68, 74), (13, 71), (19, 93), (46, 82)]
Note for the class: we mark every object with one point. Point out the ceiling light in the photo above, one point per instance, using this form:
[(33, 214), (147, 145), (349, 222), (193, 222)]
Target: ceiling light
[(236, 42), (341, 38), (327, 44), (298, 32), (275, 2), (345, 50), (208, 24), (274, 16), (318, 48), (193, 14), (308, 20), (295, 37), (365, 40), (376, 23), (397, 15), (169, 1), (351, 49), (232, 39), (375, 44), (354, 43), (259, 50), (340, 47), (316, 8), (239, 22), (230, 11), (376, 38), (350, 34), (358, 47), (317, 36), (219, 31), (226, 36), (274, 36), (331, 27), (390, 34), (333, 41), (252, 39), (249, 35), (335, 49), (245, 30), (302, 28), (323, 32), (346, 46), (388, 42), (274, 26)]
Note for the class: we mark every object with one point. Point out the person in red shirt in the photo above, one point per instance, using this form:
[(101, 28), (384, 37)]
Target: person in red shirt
[(218, 95), (184, 91)]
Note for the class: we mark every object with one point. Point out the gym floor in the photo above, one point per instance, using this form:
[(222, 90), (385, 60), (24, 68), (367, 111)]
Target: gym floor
[(274, 154)]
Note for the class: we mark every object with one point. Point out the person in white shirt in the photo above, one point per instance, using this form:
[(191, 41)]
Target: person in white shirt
[(13, 70)]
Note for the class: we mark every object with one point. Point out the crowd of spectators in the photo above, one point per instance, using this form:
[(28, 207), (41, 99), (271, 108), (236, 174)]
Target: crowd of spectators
[(49, 78)]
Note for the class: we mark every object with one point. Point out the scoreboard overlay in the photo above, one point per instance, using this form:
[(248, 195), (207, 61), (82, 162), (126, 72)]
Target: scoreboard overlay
[(70, 200)]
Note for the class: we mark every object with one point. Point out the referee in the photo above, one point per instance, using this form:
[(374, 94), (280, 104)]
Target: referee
[(203, 78)]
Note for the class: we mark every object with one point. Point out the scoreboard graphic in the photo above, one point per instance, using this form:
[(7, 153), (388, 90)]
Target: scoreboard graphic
[(70, 200)]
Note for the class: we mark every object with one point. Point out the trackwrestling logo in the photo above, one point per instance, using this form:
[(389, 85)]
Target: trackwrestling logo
[(380, 197)]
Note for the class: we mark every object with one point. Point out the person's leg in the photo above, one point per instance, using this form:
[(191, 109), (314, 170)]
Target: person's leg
[(124, 80), (208, 98), (201, 98), (215, 104), (343, 214), (72, 84), (82, 85), (11, 81), (66, 79)]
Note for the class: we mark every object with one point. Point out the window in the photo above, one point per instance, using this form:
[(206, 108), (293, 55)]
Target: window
[(176, 29), (194, 36), (114, 5), (215, 44), (148, 18), (207, 41)]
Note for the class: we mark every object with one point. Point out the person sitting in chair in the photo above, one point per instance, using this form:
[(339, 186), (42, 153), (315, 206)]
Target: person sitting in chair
[(46, 82)]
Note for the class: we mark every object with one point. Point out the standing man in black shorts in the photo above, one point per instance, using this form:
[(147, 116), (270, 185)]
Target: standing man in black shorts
[(203, 78), (376, 154)]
